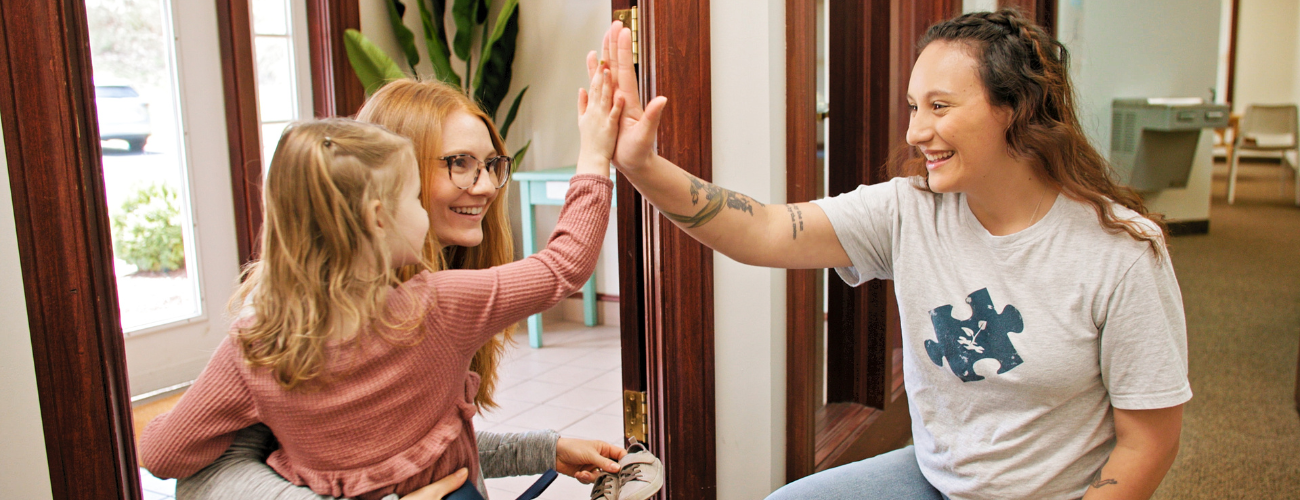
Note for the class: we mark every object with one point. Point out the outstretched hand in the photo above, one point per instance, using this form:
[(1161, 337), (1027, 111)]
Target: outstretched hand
[(584, 459), (638, 126), (598, 114), (440, 488)]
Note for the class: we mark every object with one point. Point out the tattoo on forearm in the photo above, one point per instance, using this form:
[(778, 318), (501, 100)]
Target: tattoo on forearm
[(1098, 482), (715, 199), (796, 220)]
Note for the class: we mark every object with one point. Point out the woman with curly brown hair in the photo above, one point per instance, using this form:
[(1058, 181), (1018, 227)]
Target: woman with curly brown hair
[(1044, 343)]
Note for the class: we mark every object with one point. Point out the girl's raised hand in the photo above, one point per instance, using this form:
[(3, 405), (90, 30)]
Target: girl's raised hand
[(599, 110), (638, 127)]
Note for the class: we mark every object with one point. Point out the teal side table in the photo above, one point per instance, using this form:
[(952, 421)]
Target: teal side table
[(547, 187)]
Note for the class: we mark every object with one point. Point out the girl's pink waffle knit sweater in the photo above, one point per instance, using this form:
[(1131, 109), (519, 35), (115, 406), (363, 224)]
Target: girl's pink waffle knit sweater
[(392, 417)]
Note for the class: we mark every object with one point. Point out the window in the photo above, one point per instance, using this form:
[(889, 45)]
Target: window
[(144, 157), (280, 97)]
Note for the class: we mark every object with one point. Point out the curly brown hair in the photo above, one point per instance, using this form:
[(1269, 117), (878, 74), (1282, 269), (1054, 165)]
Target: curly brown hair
[(1027, 71)]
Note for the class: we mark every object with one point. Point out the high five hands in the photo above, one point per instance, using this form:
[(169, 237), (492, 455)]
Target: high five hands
[(638, 126)]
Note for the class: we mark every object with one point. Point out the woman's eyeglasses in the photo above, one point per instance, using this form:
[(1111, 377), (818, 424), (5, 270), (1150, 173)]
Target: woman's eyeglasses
[(464, 169)]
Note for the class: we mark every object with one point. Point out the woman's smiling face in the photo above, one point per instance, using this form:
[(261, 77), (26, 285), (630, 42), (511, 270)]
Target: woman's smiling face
[(455, 214), (961, 134)]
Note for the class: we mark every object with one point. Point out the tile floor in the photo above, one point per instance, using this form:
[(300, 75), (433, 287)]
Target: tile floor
[(572, 385)]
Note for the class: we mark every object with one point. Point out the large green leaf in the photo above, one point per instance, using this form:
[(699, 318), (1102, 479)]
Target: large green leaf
[(510, 115), (519, 155), (405, 37), (463, 12), (373, 67), (492, 80), (435, 39)]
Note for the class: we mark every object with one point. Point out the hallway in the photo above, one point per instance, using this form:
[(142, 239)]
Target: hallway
[(1241, 292)]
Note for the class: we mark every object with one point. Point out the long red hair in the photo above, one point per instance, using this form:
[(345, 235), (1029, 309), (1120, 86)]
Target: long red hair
[(416, 109)]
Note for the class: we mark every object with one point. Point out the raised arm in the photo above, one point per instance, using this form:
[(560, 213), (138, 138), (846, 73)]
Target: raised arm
[(797, 236)]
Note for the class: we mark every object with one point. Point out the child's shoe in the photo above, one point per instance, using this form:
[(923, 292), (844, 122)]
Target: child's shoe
[(640, 475), (605, 487)]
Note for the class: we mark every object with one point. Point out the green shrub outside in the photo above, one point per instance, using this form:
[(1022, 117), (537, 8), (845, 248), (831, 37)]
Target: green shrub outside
[(147, 230)]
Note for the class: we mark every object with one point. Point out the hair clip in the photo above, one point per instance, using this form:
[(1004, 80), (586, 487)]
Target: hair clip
[(328, 141)]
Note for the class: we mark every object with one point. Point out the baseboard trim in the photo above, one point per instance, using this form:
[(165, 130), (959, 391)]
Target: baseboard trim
[(1188, 227)]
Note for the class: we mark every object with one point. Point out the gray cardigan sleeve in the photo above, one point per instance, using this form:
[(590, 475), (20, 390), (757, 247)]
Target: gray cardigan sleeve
[(241, 472), (516, 454)]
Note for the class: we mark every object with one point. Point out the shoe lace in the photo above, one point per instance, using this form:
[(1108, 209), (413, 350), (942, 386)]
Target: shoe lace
[(630, 473), (604, 488)]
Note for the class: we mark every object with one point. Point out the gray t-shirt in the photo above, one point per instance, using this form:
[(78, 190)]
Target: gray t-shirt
[(1016, 347)]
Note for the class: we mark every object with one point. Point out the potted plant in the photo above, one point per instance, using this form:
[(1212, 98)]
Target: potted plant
[(487, 80)]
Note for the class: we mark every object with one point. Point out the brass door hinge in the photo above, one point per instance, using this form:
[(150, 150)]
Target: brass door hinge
[(629, 18), (634, 415)]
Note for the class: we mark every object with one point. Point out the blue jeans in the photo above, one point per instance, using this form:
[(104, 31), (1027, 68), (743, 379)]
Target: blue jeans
[(888, 476)]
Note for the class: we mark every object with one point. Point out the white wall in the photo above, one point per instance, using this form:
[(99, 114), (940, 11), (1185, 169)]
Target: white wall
[(1268, 53), (24, 472), (550, 58), (748, 79), (979, 5), (1296, 91), (1118, 51)]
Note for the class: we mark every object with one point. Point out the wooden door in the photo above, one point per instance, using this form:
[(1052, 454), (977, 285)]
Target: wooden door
[(1043, 12), (665, 276), (871, 49)]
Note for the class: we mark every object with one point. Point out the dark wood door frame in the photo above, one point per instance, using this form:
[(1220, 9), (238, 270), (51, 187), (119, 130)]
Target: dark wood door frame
[(239, 85), (336, 91), (52, 144), (872, 47), (665, 276), (803, 304)]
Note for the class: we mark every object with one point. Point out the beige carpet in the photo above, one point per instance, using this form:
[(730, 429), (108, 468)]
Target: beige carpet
[(1241, 290)]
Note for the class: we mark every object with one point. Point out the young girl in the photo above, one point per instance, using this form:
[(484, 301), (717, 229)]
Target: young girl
[(366, 383), (1044, 344)]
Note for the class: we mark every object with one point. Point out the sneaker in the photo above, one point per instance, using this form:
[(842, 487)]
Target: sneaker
[(605, 487), (640, 475)]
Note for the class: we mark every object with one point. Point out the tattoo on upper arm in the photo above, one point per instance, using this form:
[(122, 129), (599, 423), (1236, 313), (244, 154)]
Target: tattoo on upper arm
[(796, 220), (715, 199)]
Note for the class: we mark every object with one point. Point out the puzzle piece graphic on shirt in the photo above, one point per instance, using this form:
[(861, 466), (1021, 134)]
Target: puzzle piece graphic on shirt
[(984, 335)]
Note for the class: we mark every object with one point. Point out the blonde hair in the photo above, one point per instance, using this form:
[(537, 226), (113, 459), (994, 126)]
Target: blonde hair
[(417, 109), (323, 273)]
